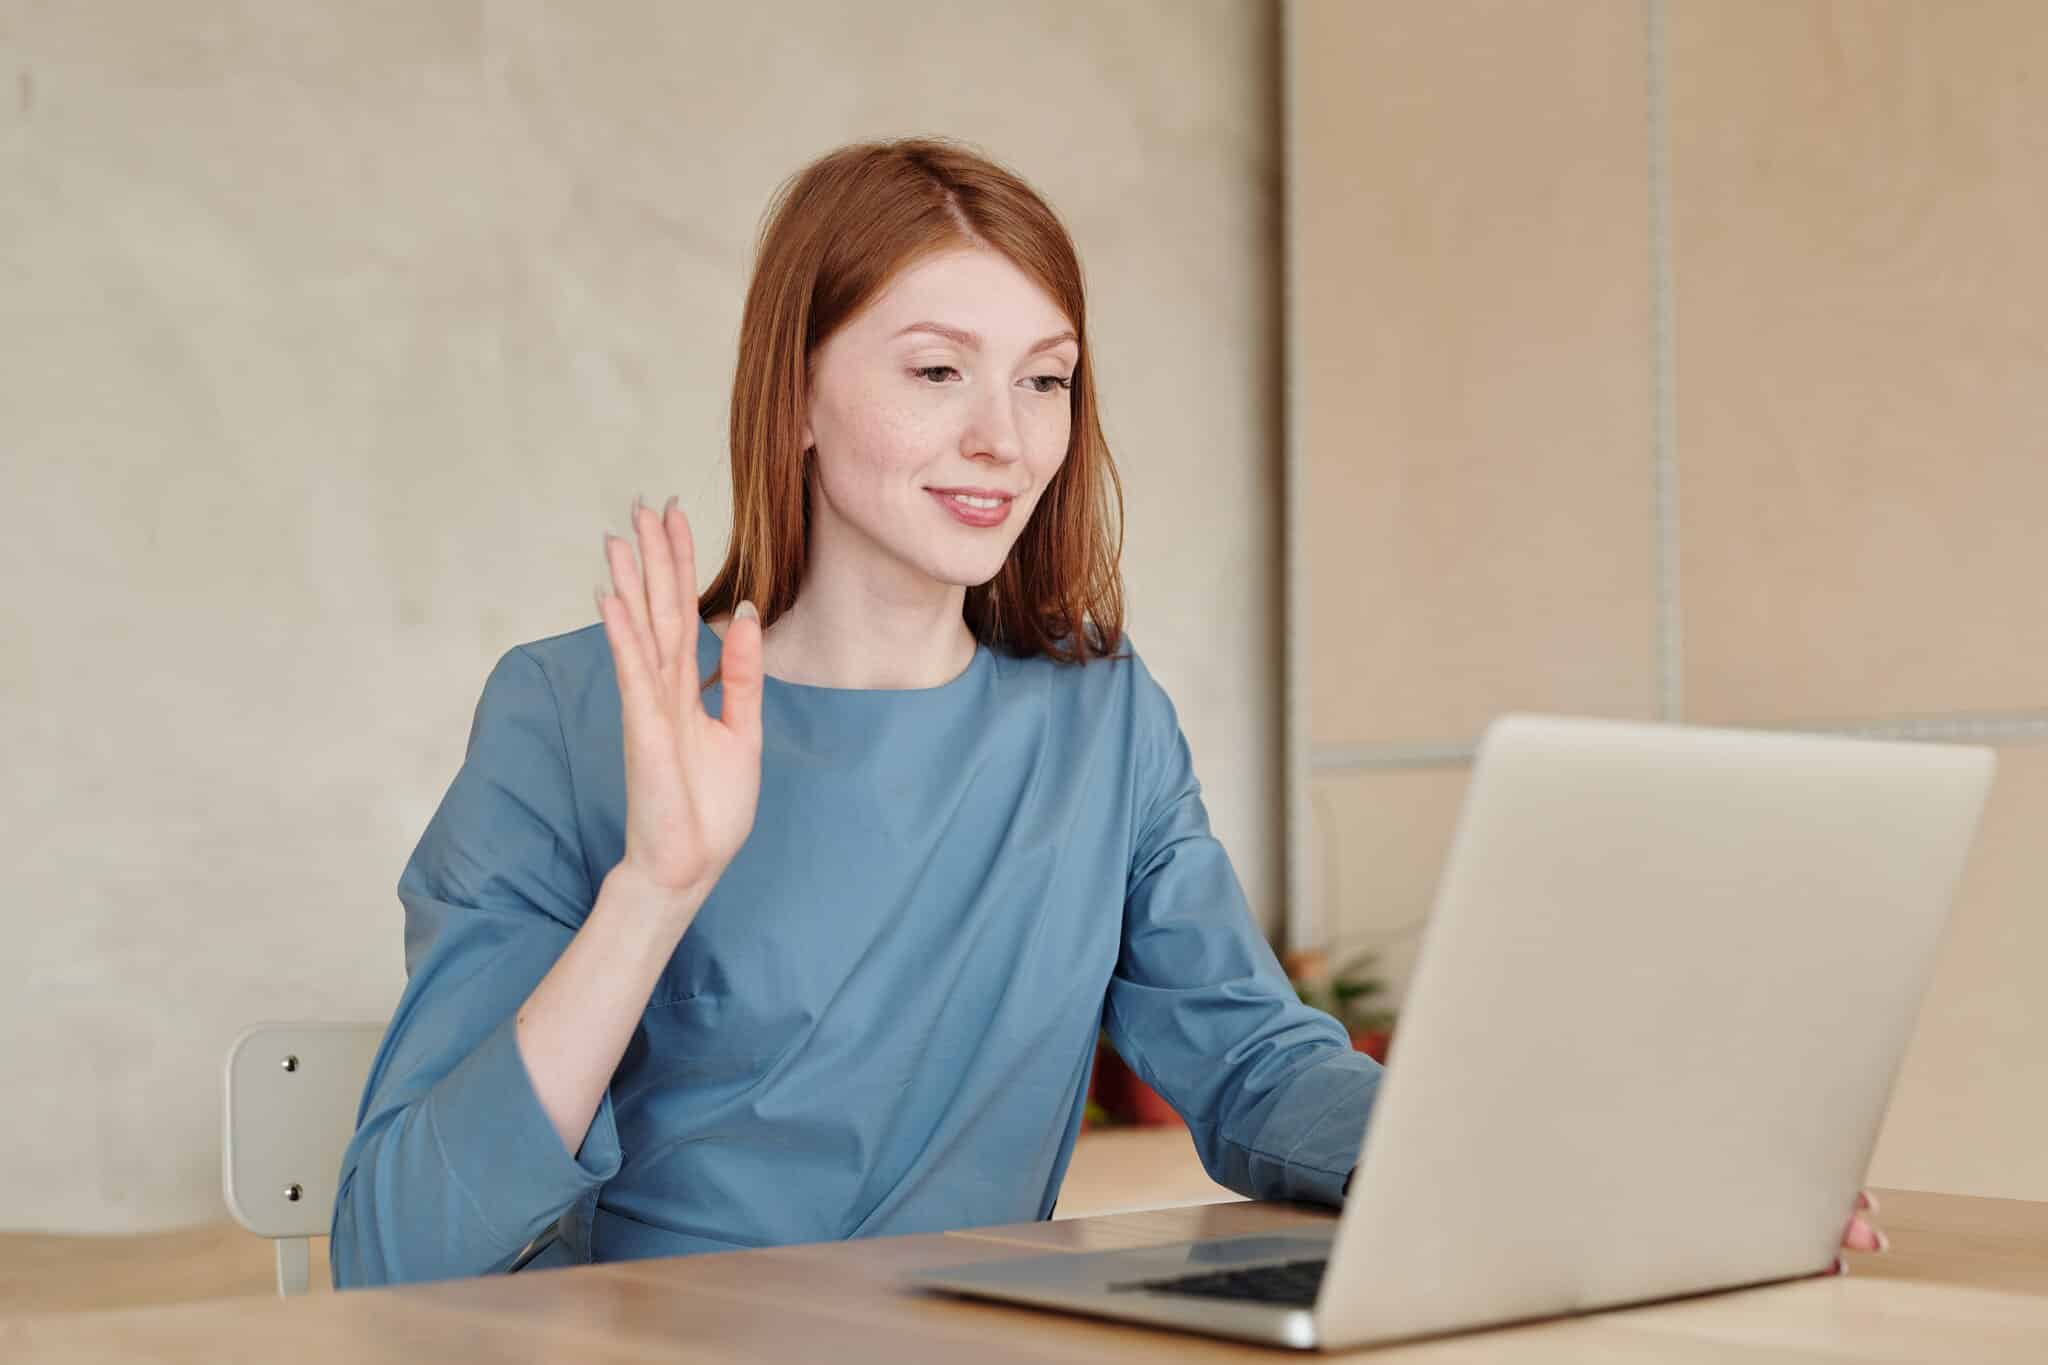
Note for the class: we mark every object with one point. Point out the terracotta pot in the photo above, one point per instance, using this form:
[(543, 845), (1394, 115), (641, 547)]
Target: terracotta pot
[(1146, 1107), (1374, 1044), (1125, 1097), (1106, 1085)]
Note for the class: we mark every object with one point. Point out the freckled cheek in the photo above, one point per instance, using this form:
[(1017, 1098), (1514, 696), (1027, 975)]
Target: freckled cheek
[(1048, 444), (883, 441)]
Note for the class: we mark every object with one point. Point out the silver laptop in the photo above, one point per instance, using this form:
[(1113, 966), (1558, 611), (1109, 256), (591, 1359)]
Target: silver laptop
[(1660, 1004)]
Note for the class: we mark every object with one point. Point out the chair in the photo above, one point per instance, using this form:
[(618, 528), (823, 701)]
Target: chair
[(292, 1091)]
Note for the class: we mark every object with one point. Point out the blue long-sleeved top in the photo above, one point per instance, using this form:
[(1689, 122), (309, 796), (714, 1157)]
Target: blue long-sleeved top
[(883, 1018)]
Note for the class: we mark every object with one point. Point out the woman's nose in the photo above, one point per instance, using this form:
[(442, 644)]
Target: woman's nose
[(995, 428)]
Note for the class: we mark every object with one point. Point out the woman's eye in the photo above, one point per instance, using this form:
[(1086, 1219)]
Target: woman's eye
[(1040, 383)]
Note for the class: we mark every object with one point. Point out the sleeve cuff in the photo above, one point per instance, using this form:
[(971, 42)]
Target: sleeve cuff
[(499, 1143), (1322, 1120)]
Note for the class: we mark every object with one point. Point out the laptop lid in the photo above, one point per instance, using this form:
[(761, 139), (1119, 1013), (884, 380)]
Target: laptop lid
[(1653, 1028)]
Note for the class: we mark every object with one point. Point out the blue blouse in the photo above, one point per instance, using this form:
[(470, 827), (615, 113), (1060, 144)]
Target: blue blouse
[(883, 1018)]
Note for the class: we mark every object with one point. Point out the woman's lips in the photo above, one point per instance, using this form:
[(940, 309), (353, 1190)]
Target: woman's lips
[(972, 516)]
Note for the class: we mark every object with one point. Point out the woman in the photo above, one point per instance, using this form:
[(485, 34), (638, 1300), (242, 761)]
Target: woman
[(802, 925)]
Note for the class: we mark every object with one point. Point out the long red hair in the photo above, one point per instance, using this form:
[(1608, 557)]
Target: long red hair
[(833, 237)]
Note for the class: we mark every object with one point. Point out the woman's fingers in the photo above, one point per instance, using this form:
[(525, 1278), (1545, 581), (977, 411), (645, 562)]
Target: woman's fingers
[(740, 675), (636, 687), (632, 592), (1862, 1235), (664, 614), (683, 549)]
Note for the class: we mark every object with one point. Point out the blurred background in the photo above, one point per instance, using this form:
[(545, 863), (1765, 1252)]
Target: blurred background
[(1665, 359), (1677, 361)]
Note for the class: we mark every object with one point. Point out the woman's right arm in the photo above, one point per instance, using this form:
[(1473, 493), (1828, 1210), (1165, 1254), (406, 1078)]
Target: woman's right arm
[(487, 1112), (455, 1164)]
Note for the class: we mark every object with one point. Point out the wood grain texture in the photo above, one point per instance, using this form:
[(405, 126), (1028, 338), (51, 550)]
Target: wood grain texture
[(1113, 1170), (1967, 1279), (48, 1273)]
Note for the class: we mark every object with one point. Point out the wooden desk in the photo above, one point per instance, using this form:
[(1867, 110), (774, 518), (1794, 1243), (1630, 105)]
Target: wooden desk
[(1967, 1279)]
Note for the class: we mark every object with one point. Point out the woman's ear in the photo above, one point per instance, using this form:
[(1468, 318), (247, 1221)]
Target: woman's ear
[(810, 396)]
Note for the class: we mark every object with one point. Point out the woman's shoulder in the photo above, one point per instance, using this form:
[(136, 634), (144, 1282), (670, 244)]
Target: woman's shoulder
[(569, 657), (1114, 674), (567, 669)]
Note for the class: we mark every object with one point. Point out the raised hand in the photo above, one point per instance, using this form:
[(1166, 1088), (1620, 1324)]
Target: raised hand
[(692, 781)]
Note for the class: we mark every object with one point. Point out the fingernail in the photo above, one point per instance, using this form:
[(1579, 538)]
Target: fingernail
[(1884, 1243), (1870, 1201), (668, 507), (745, 609), (639, 504), (597, 595)]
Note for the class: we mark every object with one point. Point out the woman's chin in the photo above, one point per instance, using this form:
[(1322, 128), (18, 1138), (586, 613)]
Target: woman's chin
[(969, 575)]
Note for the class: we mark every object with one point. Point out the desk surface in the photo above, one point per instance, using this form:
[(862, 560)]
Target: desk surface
[(1966, 1278)]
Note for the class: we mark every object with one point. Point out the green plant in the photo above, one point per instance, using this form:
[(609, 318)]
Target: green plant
[(1351, 995)]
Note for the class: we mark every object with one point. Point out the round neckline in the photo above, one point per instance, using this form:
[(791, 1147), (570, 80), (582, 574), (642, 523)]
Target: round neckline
[(974, 666)]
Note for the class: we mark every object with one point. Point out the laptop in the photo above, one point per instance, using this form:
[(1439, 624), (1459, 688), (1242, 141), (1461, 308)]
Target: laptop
[(1659, 1006)]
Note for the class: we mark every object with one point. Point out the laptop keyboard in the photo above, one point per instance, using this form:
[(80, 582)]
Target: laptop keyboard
[(1291, 1284)]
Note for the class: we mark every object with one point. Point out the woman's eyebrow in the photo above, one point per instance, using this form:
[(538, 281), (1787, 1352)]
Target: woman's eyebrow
[(972, 340)]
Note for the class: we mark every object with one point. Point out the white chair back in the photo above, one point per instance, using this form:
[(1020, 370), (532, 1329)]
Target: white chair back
[(292, 1091)]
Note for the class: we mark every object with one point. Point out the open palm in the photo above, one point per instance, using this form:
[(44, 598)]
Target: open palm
[(692, 780)]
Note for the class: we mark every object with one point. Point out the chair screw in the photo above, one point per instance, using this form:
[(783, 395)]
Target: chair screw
[(290, 1063), (292, 1192)]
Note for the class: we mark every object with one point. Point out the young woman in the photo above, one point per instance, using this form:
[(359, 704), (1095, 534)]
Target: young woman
[(800, 921)]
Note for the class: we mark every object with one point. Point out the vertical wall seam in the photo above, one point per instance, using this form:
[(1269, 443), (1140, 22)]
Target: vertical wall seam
[(1299, 918), (1663, 372)]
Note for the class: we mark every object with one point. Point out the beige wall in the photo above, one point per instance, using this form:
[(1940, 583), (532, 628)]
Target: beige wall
[(334, 336), (1851, 531)]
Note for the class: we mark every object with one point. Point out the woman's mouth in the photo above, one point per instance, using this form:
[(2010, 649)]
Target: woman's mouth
[(972, 510)]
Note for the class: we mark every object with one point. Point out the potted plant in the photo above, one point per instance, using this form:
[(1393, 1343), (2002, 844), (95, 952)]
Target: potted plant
[(1352, 995)]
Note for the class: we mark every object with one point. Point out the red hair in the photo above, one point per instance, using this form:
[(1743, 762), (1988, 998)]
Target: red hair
[(833, 237)]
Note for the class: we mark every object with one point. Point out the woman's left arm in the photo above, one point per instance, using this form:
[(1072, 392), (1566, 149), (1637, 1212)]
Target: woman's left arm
[(1274, 1095)]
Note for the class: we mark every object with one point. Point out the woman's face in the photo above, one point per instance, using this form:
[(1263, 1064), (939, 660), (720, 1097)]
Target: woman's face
[(957, 377)]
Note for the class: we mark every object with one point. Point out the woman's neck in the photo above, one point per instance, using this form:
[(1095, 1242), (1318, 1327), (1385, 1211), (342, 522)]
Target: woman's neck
[(871, 649)]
